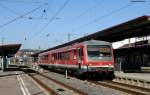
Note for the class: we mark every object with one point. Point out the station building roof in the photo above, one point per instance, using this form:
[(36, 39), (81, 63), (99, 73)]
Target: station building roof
[(9, 50), (134, 28)]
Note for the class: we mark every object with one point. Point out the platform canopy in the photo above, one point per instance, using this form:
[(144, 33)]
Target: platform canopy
[(134, 28), (9, 50)]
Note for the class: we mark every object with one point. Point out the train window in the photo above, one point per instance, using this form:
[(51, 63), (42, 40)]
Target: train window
[(55, 56), (58, 55), (61, 56), (67, 55), (74, 55), (44, 57), (52, 57), (97, 52)]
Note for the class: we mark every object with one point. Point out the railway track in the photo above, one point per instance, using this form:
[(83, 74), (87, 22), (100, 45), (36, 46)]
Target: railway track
[(74, 91), (123, 87), (52, 86)]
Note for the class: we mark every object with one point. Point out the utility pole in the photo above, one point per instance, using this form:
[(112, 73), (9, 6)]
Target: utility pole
[(69, 36), (2, 41), (2, 55)]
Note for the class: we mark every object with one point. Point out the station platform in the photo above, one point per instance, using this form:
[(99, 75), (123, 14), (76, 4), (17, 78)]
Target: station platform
[(15, 82), (137, 79), (9, 84)]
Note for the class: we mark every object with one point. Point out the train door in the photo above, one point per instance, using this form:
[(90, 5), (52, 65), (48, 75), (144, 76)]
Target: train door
[(80, 57), (74, 52)]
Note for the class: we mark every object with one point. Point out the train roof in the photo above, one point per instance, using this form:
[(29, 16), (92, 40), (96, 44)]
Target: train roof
[(133, 28), (96, 42)]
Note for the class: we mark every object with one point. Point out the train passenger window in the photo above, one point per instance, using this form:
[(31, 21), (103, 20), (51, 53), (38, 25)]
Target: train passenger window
[(54, 56), (46, 57), (74, 55), (61, 56), (67, 55)]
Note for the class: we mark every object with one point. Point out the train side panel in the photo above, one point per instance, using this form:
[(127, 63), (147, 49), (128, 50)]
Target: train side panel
[(81, 57)]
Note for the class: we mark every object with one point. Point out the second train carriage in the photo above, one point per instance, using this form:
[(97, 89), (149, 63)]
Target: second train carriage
[(89, 56)]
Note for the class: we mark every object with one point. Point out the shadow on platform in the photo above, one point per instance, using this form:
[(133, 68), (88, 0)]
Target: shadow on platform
[(14, 68), (8, 75)]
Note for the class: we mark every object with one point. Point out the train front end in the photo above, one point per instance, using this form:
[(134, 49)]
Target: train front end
[(99, 58)]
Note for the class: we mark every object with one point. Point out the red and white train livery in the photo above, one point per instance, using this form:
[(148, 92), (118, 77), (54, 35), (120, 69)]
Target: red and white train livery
[(83, 57)]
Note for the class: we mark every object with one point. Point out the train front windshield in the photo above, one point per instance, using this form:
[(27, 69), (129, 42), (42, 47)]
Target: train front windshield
[(99, 52)]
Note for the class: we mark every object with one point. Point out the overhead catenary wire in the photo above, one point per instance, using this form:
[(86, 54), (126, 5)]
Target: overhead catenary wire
[(107, 15), (138, 1), (27, 17), (22, 1), (52, 18), (97, 19), (102, 17), (87, 11), (21, 16), (8, 9)]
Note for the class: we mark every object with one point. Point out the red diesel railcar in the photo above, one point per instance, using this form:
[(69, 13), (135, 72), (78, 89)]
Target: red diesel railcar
[(88, 56)]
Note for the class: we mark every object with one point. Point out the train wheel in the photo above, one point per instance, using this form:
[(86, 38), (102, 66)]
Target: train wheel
[(100, 76), (94, 76), (110, 75)]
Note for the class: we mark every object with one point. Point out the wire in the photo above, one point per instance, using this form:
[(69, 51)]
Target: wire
[(138, 1), (60, 9), (8, 9), (104, 16), (21, 16), (109, 14), (87, 11), (14, 12), (17, 1), (52, 18)]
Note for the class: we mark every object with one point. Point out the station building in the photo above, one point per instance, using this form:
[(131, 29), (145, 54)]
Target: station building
[(23, 56), (133, 57)]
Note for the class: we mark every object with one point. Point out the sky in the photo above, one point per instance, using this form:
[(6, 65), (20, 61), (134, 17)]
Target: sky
[(46, 23)]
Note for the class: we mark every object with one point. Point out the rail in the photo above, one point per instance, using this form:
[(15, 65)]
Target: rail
[(32, 74), (123, 87)]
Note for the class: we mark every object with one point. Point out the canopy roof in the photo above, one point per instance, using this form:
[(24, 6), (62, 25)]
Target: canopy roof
[(9, 50)]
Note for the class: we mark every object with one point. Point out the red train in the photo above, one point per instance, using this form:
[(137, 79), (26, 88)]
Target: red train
[(91, 56)]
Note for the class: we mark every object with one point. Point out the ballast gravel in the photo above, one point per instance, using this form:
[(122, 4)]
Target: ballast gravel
[(85, 86)]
